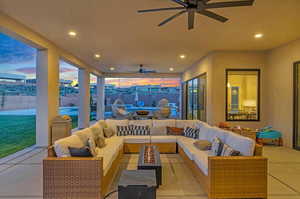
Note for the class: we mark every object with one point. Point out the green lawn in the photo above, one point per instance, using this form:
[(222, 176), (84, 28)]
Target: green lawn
[(18, 132)]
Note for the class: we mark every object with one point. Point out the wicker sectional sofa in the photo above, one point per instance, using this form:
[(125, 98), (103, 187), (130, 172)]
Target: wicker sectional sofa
[(221, 177)]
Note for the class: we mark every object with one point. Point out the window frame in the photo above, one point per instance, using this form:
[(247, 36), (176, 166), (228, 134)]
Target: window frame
[(258, 93), (198, 92)]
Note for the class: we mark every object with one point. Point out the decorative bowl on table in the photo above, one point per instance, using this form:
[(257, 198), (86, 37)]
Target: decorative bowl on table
[(142, 112)]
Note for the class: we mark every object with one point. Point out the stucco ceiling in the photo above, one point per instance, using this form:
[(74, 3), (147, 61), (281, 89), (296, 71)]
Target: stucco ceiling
[(126, 39)]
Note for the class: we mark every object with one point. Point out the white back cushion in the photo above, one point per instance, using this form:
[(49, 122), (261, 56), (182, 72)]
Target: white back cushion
[(141, 122), (114, 123), (217, 132), (205, 132), (186, 123), (164, 123), (61, 146), (84, 135), (240, 143)]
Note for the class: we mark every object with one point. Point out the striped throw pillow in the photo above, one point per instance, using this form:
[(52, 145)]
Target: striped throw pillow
[(217, 146), (140, 130), (191, 132), (228, 151), (124, 130)]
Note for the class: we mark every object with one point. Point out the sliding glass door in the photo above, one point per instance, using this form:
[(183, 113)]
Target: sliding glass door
[(297, 105), (196, 95)]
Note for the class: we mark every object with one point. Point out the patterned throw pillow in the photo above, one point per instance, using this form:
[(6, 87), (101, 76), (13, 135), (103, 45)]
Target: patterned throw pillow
[(217, 146), (140, 130), (124, 130), (203, 145), (191, 132), (228, 151)]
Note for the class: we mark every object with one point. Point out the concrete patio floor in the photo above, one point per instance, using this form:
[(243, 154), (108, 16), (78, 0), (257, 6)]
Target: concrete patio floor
[(21, 176)]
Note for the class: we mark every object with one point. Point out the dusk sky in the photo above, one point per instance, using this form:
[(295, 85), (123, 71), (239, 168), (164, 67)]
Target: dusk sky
[(19, 58)]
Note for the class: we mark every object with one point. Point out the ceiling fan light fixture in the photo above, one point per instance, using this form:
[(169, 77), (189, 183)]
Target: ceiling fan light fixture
[(97, 56), (72, 33), (258, 35), (112, 68), (182, 56), (171, 69)]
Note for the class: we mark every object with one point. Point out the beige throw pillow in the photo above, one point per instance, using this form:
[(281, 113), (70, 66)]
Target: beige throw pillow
[(100, 142), (108, 132), (202, 145)]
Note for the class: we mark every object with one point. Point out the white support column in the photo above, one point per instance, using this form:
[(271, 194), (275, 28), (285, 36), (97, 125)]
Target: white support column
[(84, 99), (47, 75), (100, 98)]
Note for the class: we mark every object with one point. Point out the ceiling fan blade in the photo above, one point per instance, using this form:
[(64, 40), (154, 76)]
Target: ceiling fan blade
[(213, 15), (172, 17), (191, 19), (161, 9), (180, 2), (229, 4)]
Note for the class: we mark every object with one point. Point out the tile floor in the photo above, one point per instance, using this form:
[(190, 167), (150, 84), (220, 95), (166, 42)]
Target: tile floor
[(21, 176)]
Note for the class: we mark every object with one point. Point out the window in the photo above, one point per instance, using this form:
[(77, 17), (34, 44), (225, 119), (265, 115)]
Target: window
[(17, 95), (93, 96), (242, 94), (126, 96), (196, 98), (69, 91)]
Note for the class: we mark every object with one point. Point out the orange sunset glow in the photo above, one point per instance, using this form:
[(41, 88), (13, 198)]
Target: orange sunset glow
[(128, 82)]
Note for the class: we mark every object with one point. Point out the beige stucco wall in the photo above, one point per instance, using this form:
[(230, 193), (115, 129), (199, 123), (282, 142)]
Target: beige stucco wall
[(201, 67), (280, 88), (215, 65)]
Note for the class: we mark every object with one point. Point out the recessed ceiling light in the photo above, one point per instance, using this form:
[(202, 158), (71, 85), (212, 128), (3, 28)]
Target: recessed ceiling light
[(258, 35), (97, 56), (171, 69), (72, 33), (112, 68), (182, 56)]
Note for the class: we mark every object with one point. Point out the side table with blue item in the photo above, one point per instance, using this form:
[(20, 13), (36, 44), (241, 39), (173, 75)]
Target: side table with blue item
[(268, 133)]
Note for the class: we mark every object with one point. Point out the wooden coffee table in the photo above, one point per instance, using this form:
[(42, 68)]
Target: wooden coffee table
[(151, 163)]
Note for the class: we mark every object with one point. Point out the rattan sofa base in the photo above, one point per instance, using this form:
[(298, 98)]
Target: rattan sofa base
[(232, 177)]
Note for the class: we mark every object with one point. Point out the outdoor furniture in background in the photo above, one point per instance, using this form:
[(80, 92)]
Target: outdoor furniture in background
[(119, 111), (269, 136), (164, 110), (61, 127)]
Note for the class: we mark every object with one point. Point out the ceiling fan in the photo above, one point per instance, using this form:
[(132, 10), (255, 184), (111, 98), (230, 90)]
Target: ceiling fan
[(142, 70), (198, 6)]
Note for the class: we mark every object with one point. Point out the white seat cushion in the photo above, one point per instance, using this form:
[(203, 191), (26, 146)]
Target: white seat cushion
[(240, 143), (164, 139), (187, 144), (141, 123), (110, 152), (136, 139), (61, 146), (164, 123), (201, 160)]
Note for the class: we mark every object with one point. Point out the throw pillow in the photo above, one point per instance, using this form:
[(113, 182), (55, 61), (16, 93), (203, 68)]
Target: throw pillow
[(92, 146), (80, 152), (100, 142), (203, 145), (124, 130), (217, 146), (160, 131), (108, 132), (228, 151), (191, 132), (174, 131), (140, 130)]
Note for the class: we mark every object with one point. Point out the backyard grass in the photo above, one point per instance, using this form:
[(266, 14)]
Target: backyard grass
[(18, 132)]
